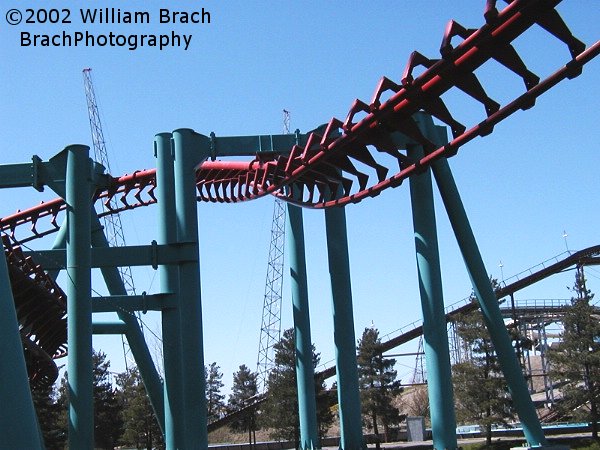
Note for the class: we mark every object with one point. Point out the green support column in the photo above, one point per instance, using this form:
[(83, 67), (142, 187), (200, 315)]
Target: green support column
[(190, 152), (169, 282), (351, 437), (305, 374), (60, 241), (18, 422), (79, 306), (488, 303), (133, 332), (435, 336)]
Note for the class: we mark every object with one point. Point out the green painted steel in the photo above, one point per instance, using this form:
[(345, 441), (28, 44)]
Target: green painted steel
[(115, 285), (351, 437), (488, 303), (305, 375), (117, 327), (60, 243), (190, 149), (36, 173), (129, 304), (435, 337), (251, 145), (132, 255), (133, 332), (17, 415), (16, 175), (79, 309), (169, 282)]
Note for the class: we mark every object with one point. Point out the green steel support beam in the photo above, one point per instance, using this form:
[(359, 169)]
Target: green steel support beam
[(435, 335), (305, 377), (79, 310), (133, 332), (169, 282), (488, 303), (60, 243), (128, 304), (20, 174), (19, 427), (50, 173), (122, 304), (118, 327), (251, 145), (190, 151), (130, 256), (351, 437), (37, 173)]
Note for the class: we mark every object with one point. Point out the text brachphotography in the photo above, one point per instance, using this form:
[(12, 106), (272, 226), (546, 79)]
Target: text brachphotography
[(87, 39), (153, 28)]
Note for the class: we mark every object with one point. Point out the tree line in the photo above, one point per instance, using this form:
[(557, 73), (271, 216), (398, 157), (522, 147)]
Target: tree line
[(279, 412), (123, 414)]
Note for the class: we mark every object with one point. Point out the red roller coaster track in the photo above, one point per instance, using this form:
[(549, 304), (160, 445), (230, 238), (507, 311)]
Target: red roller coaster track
[(327, 164), (347, 161)]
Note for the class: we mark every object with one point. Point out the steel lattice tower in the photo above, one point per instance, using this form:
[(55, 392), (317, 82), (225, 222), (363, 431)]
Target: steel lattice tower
[(112, 222), (270, 329)]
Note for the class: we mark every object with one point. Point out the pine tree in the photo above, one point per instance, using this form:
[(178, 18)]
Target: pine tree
[(243, 390), (48, 409), (214, 399), (481, 393), (576, 361), (108, 425), (378, 384), (140, 427), (280, 411)]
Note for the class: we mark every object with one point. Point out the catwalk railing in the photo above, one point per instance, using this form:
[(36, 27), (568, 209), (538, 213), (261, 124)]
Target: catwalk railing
[(347, 161)]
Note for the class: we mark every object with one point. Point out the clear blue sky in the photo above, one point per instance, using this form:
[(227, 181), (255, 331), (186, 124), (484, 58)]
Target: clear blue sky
[(534, 178)]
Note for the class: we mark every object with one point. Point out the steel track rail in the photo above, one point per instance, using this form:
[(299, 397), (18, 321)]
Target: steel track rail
[(314, 175), (347, 161)]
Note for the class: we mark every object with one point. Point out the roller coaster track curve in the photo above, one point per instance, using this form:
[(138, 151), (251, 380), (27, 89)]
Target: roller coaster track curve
[(320, 171), (323, 172)]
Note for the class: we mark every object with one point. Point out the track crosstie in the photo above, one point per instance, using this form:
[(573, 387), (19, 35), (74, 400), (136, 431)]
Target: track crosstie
[(347, 161)]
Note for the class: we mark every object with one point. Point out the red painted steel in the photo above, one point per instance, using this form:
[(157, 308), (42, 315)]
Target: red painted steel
[(349, 157), (356, 158), (41, 310)]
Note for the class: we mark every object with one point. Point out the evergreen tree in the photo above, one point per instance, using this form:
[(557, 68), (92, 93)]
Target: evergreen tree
[(214, 399), (243, 390), (378, 384), (48, 409), (576, 361), (280, 411), (108, 425), (140, 427), (480, 391)]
